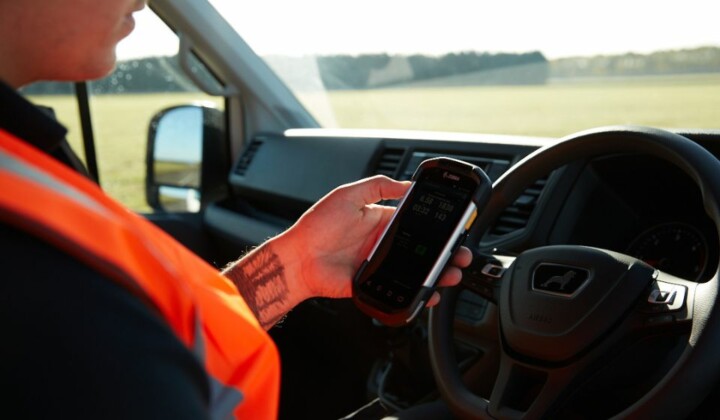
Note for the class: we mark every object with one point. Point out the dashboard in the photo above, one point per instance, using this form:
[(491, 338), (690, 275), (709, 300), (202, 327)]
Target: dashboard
[(632, 204)]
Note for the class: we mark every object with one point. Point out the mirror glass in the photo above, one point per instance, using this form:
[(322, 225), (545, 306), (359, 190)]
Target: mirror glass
[(178, 148)]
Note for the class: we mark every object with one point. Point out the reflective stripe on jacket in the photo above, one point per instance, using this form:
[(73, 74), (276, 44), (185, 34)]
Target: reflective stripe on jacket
[(203, 308)]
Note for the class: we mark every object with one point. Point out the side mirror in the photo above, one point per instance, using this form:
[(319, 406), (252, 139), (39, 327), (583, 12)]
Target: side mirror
[(186, 158)]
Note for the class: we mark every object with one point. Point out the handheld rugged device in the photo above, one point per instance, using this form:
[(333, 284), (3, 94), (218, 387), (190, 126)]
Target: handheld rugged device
[(398, 277)]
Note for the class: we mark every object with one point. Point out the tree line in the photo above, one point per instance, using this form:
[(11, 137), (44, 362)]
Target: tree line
[(163, 74), (685, 61), (355, 72)]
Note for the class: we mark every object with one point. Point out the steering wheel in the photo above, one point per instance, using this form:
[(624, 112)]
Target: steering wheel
[(563, 310)]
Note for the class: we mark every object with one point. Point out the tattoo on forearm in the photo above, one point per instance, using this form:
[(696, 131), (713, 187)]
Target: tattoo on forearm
[(260, 279)]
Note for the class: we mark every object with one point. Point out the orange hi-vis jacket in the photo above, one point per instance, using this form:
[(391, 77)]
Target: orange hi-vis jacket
[(202, 307)]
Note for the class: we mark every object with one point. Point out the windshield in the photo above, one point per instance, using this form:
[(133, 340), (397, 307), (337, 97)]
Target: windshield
[(545, 68)]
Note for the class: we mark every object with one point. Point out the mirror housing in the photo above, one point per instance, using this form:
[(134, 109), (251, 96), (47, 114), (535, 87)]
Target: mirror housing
[(187, 160)]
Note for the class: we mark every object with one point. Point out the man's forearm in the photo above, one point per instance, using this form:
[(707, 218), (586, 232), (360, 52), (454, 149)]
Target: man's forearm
[(261, 280)]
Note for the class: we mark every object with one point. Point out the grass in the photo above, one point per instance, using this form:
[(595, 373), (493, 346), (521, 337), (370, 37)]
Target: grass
[(177, 174), (556, 109)]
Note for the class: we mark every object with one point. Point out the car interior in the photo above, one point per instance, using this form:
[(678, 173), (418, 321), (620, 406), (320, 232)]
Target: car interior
[(633, 208)]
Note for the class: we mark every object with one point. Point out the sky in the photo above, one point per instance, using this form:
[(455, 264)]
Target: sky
[(557, 28)]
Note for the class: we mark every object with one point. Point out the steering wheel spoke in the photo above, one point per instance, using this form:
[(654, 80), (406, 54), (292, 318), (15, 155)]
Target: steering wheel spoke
[(668, 303), (484, 276), (527, 391)]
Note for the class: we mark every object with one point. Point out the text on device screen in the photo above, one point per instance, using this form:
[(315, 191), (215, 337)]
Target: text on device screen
[(417, 237)]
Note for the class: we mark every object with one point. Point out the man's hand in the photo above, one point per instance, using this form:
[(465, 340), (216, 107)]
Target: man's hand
[(319, 255), (334, 237)]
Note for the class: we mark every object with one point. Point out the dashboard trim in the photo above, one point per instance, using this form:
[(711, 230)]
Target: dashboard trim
[(420, 135)]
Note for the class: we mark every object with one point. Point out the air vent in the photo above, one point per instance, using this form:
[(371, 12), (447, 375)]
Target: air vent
[(389, 162), (517, 215), (247, 157)]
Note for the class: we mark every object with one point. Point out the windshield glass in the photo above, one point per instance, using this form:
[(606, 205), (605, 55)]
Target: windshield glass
[(544, 68)]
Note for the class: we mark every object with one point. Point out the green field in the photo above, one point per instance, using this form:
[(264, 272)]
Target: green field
[(555, 109)]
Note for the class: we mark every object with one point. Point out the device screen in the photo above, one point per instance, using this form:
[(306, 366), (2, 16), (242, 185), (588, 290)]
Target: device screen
[(417, 236)]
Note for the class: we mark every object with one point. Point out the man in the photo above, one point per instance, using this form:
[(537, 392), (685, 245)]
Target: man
[(103, 315)]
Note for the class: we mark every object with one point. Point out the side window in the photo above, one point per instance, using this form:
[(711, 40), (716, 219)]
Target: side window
[(146, 80)]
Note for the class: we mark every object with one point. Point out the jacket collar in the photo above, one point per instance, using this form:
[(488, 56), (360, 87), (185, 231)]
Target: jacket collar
[(36, 125)]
